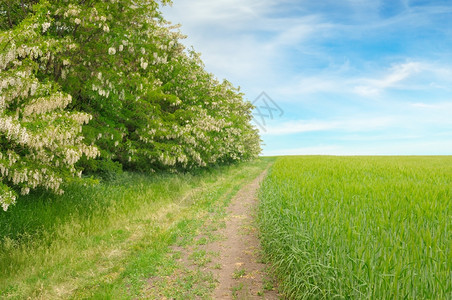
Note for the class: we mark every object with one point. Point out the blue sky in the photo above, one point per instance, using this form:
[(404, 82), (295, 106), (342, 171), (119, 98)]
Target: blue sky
[(353, 77)]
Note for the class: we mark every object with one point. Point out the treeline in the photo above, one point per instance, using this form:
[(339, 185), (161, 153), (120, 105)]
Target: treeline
[(101, 86)]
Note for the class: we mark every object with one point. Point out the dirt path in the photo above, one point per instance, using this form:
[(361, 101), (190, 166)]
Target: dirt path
[(222, 260), (242, 274)]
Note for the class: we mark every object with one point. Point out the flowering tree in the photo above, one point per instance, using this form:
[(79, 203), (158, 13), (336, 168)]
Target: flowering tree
[(40, 142), (153, 104)]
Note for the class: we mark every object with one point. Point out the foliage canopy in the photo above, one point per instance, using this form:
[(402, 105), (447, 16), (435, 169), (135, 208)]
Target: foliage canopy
[(118, 68)]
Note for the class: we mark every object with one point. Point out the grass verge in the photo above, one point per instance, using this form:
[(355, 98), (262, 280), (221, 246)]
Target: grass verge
[(108, 241)]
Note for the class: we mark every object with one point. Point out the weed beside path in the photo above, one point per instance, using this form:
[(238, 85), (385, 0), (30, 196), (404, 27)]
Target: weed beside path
[(112, 240), (242, 274), (222, 260)]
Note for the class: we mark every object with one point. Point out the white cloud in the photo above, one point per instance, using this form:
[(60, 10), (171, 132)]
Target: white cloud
[(441, 106), (343, 80), (243, 40), (397, 74), (294, 31), (261, 45), (218, 12), (416, 147), (349, 125)]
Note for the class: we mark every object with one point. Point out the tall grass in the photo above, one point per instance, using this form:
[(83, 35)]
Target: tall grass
[(359, 227), (106, 240)]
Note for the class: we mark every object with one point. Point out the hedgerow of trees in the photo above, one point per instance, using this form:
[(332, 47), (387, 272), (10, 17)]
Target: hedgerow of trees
[(103, 86)]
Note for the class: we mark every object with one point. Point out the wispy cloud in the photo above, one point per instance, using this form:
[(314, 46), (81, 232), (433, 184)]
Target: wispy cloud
[(337, 68), (397, 74), (348, 125), (243, 39), (403, 147), (414, 75), (404, 76), (442, 106)]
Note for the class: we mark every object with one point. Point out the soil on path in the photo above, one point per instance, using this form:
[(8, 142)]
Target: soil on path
[(242, 274), (223, 260)]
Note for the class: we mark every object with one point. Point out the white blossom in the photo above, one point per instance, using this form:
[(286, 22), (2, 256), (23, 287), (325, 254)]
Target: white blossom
[(111, 51), (143, 64), (45, 26)]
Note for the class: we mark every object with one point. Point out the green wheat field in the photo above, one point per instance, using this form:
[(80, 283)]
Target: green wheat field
[(359, 227)]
